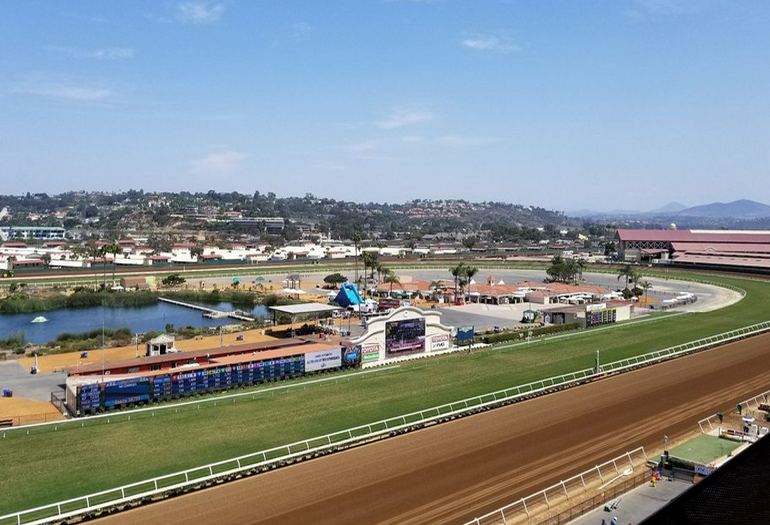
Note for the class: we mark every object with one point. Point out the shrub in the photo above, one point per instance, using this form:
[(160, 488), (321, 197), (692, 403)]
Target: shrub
[(511, 335)]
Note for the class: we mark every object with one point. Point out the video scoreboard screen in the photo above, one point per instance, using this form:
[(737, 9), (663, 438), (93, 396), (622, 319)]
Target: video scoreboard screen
[(127, 391), (123, 392), (405, 336)]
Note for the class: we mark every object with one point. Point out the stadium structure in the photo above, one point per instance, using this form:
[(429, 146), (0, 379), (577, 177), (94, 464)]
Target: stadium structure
[(719, 249)]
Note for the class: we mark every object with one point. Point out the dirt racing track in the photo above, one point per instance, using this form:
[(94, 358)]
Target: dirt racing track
[(453, 472)]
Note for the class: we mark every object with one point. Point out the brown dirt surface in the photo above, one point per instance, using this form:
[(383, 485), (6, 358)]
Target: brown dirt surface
[(452, 472), (25, 411)]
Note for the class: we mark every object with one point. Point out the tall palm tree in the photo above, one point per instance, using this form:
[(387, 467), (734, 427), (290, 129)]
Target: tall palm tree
[(114, 249), (93, 251), (469, 272), (628, 272), (457, 272), (356, 242)]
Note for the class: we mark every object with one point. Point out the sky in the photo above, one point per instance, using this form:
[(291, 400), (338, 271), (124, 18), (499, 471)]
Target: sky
[(574, 104)]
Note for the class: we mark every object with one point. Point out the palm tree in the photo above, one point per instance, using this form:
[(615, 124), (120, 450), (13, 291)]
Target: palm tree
[(370, 260), (437, 287), (628, 272), (93, 251), (457, 272), (469, 272), (391, 278), (356, 242), (114, 249)]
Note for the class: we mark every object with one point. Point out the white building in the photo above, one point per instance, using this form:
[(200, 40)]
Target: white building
[(405, 332)]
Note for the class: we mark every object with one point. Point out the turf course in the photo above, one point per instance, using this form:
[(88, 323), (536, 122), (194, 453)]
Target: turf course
[(45, 467), (704, 449)]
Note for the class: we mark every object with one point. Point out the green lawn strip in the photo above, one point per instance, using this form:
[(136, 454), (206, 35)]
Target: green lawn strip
[(67, 464), (704, 449)]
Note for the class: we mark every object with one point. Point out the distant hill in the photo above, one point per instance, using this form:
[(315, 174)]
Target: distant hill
[(740, 209), (671, 207)]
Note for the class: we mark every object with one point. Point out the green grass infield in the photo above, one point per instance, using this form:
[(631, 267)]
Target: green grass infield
[(45, 467)]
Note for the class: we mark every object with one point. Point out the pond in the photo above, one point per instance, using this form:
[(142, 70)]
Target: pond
[(141, 319)]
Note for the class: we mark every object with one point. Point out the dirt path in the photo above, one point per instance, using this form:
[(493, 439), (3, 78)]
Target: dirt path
[(453, 472)]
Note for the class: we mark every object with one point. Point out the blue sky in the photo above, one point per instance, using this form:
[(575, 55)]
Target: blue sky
[(565, 104)]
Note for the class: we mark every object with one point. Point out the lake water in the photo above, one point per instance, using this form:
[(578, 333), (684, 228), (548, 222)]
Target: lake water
[(143, 319)]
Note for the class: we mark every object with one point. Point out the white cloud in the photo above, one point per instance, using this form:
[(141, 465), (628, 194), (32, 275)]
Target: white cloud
[(411, 139), (462, 141), (404, 117), (217, 163), (365, 146), (666, 7), (489, 42), (301, 31), (200, 12), (65, 91), (107, 53)]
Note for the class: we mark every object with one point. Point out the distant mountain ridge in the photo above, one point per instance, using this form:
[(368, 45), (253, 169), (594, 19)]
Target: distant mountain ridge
[(740, 209), (743, 209), (671, 207)]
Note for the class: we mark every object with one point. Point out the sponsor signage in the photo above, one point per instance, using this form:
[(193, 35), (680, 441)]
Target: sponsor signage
[(388, 303), (703, 470), (323, 359), (596, 307), (370, 353), (465, 333), (439, 342)]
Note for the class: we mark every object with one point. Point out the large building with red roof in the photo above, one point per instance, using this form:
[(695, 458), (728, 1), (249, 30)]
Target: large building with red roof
[(730, 249)]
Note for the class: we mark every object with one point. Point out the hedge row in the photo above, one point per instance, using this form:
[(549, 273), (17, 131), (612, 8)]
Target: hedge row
[(515, 335)]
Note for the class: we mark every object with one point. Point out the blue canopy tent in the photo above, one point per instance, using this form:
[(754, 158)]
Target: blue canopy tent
[(348, 296)]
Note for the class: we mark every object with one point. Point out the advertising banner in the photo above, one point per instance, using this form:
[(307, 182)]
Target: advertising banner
[(323, 360), (370, 353), (439, 342)]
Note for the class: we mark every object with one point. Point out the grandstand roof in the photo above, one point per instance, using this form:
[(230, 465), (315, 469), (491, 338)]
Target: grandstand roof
[(734, 236), (706, 247), (213, 362), (181, 356), (724, 260)]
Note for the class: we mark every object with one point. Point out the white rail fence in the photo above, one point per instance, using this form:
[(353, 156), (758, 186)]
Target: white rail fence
[(287, 453), (709, 424), (552, 497), (610, 367), (749, 406), (282, 454)]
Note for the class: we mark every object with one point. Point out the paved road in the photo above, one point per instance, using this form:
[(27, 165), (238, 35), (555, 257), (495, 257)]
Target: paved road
[(24, 384), (455, 471)]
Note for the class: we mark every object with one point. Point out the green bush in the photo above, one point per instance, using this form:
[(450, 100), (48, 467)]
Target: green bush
[(515, 335), (14, 340)]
